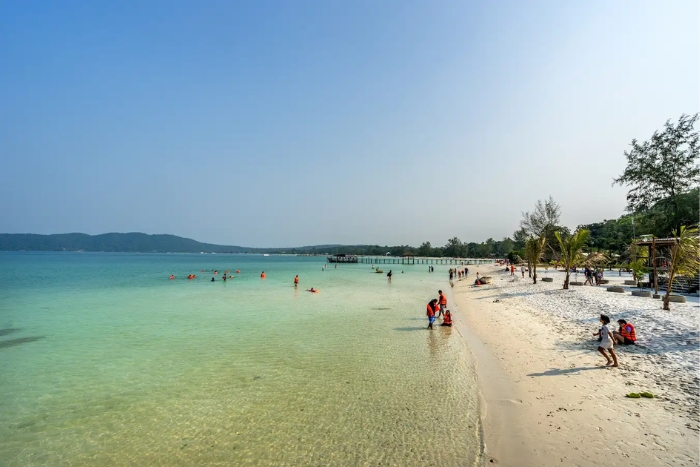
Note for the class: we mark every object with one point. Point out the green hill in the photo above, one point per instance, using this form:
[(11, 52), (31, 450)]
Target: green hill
[(114, 242)]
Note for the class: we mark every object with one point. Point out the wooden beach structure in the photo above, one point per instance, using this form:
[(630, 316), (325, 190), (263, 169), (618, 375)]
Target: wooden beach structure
[(657, 260), (342, 259), (410, 259)]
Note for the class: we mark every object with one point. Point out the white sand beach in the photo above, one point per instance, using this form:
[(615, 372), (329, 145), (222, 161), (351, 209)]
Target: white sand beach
[(548, 399)]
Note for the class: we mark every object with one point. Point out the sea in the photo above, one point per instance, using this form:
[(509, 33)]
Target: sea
[(104, 360)]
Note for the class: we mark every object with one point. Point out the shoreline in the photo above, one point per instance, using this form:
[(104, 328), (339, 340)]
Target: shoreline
[(546, 399)]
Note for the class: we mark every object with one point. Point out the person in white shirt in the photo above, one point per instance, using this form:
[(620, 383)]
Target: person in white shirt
[(606, 341)]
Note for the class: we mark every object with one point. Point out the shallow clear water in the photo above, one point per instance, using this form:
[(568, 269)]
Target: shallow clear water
[(104, 361)]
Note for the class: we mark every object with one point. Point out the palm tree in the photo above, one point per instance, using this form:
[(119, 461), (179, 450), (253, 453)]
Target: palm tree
[(571, 247), (534, 248), (684, 259)]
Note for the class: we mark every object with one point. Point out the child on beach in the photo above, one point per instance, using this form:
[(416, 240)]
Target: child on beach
[(447, 320), (606, 341)]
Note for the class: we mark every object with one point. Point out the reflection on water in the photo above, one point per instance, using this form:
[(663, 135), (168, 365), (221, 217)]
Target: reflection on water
[(19, 341), (152, 372)]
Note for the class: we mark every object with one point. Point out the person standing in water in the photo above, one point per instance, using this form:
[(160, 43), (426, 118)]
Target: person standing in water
[(296, 280), (388, 275), (262, 275), (442, 300), (430, 312)]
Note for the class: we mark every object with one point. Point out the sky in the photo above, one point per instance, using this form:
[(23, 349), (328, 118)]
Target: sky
[(275, 124)]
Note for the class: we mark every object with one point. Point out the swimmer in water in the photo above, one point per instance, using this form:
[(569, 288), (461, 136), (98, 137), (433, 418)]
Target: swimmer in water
[(312, 290), (212, 279)]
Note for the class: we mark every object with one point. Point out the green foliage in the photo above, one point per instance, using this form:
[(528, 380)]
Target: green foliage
[(455, 248), (544, 216), (685, 258), (519, 239), (534, 249), (638, 268), (615, 235), (113, 242), (663, 168), (514, 257), (425, 249), (570, 247)]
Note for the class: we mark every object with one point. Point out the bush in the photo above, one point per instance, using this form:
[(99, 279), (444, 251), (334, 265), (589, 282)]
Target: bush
[(514, 257)]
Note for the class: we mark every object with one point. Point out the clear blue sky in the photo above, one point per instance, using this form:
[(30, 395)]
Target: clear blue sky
[(294, 123)]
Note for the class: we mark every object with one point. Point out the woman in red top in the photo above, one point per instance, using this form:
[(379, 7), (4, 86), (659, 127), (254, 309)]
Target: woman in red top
[(626, 335), (430, 312), (447, 320)]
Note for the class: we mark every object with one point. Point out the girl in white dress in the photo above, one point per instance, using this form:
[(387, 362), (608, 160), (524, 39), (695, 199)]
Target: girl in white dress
[(606, 341)]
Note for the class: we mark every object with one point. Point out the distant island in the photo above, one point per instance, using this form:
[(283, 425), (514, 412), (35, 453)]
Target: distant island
[(136, 242), (133, 242)]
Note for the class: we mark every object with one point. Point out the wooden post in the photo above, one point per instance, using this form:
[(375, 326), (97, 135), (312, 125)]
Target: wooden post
[(653, 259)]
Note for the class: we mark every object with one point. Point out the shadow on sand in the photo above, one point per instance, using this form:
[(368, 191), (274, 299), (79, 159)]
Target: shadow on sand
[(413, 328), (566, 371)]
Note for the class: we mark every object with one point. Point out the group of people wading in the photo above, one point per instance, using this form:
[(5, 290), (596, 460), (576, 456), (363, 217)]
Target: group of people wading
[(438, 307)]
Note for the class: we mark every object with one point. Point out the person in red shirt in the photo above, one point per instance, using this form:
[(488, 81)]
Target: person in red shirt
[(626, 335), (447, 320), (443, 303), (431, 308)]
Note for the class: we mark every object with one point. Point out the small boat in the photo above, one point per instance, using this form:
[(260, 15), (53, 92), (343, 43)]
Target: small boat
[(266, 254)]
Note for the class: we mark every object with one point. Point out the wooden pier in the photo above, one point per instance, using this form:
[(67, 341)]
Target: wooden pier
[(421, 260)]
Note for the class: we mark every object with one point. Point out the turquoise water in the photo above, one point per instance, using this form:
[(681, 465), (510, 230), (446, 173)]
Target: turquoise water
[(104, 361)]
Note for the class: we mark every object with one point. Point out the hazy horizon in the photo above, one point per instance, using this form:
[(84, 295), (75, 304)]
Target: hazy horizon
[(281, 125)]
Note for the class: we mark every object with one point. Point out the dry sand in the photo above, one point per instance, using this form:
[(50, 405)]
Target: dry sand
[(547, 399)]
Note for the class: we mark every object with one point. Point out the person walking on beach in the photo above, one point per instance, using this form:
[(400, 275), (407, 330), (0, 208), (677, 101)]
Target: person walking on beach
[(466, 272), (388, 275), (522, 271), (512, 270), (442, 300), (432, 306), (296, 280), (606, 342)]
